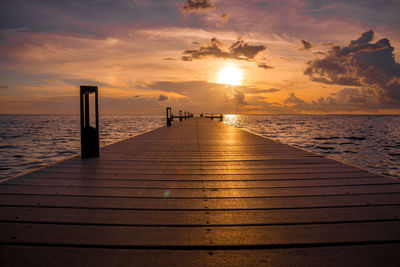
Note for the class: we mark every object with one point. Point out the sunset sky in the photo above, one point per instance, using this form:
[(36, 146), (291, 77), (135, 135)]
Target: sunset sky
[(294, 56)]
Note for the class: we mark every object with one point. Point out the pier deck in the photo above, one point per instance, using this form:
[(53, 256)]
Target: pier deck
[(204, 194)]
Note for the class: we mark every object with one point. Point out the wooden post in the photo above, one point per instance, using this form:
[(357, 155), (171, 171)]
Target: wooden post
[(168, 116), (180, 115), (89, 135)]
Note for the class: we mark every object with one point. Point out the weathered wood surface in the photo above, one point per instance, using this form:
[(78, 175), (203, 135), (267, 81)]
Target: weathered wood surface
[(200, 193)]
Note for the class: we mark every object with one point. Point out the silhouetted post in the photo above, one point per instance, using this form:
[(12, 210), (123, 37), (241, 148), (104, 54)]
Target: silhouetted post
[(221, 117), (180, 115), (185, 115), (201, 115), (212, 116), (168, 116), (89, 135)]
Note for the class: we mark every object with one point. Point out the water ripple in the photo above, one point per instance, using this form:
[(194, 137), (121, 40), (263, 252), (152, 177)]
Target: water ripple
[(370, 142), (31, 141)]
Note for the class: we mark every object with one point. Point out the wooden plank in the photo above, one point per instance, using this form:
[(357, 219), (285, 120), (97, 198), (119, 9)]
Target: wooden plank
[(197, 218), (121, 159), (197, 184), (191, 167), (198, 164), (205, 204), (147, 237), (177, 176), (200, 193), (201, 171), (366, 255)]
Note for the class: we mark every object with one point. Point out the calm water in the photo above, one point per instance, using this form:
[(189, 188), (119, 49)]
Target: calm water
[(31, 141), (371, 142)]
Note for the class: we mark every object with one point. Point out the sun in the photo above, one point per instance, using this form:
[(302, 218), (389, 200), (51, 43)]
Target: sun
[(230, 75)]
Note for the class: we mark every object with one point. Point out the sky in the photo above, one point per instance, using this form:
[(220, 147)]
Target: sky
[(288, 57)]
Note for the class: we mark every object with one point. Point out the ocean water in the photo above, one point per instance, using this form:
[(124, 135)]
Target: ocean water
[(371, 142), (28, 142)]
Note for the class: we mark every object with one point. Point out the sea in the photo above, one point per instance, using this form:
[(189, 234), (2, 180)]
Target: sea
[(371, 142)]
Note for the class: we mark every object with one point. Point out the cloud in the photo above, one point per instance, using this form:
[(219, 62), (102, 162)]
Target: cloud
[(203, 96), (239, 50), (264, 66), (187, 58), (293, 99), (365, 38), (239, 97), (197, 6), (361, 64), (224, 17), (162, 98), (242, 50), (346, 100), (213, 49), (236, 97), (256, 91), (305, 45), (270, 90)]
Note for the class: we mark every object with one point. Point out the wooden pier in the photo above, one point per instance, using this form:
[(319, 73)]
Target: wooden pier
[(200, 193)]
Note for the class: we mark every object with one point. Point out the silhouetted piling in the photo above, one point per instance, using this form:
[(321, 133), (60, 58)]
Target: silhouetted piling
[(168, 116), (89, 134)]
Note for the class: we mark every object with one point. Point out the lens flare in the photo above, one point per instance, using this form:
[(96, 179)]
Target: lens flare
[(166, 193)]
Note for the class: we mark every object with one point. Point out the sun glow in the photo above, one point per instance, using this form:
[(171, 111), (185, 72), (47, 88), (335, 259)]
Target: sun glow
[(230, 75)]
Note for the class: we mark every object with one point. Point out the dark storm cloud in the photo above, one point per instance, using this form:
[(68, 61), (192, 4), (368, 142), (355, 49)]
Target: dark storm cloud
[(240, 50), (197, 6), (264, 66), (162, 98), (363, 64), (305, 45)]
